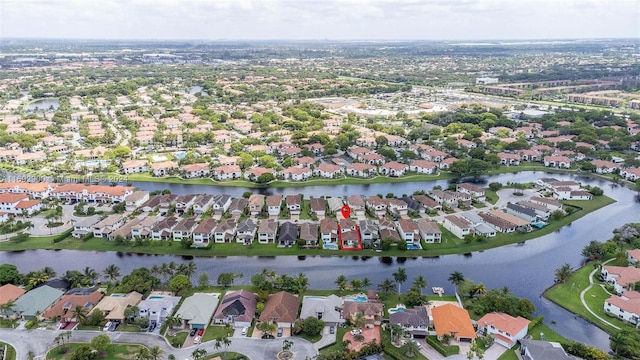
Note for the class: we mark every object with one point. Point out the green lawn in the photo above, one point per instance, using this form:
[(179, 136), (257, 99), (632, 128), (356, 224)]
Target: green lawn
[(11, 352), (115, 352), (567, 295), (312, 339), (214, 332), (178, 339), (510, 354), (229, 355), (337, 346)]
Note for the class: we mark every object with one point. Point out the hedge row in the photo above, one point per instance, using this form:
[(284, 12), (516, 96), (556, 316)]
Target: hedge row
[(445, 351)]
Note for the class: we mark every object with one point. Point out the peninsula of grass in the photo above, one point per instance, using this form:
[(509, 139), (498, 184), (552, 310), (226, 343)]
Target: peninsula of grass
[(9, 351), (114, 352), (450, 243), (567, 295)]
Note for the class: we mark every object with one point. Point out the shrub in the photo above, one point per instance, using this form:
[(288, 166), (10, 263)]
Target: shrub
[(444, 350)]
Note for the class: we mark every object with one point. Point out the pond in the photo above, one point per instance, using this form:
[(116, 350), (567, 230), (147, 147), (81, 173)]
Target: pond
[(42, 105)]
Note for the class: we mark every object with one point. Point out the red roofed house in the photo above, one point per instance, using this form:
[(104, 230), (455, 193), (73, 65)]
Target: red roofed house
[(327, 170), (504, 328), (621, 277), (135, 167), (631, 174), (227, 172), (361, 170), (393, 169), (633, 256), (625, 306), (604, 166), (423, 167), (509, 159), (295, 173), (557, 161), (10, 292), (454, 321), (195, 170)]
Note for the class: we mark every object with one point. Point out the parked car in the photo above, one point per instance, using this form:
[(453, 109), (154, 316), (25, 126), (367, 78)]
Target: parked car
[(332, 330), (107, 326), (196, 340), (200, 332), (280, 331), (193, 332), (418, 345), (355, 332), (244, 330)]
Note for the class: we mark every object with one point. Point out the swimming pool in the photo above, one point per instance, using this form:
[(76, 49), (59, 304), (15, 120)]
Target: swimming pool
[(398, 309), (540, 224), (155, 297), (356, 298), (330, 246), (414, 247)]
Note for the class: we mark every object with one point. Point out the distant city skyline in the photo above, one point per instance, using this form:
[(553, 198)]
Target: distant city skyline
[(320, 19)]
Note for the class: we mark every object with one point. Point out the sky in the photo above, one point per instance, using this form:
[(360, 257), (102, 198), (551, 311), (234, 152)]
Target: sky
[(320, 19)]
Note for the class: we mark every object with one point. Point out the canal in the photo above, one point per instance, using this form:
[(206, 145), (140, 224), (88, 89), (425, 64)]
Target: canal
[(527, 269)]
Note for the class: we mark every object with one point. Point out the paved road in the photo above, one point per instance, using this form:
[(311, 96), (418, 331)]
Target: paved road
[(40, 341)]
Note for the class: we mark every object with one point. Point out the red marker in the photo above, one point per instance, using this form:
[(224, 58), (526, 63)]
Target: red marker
[(346, 211)]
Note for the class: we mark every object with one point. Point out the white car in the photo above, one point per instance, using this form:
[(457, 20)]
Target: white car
[(244, 330), (196, 340), (356, 332), (107, 326)]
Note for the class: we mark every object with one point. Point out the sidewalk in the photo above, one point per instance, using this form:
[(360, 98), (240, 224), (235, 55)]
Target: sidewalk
[(327, 339)]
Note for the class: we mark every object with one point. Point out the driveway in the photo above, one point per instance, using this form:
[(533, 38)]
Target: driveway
[(40, 341)]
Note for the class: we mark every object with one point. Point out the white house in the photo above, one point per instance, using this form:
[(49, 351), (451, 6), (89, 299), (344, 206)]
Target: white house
[(457, 225), (621, 277), (504, 328), (625, 306)]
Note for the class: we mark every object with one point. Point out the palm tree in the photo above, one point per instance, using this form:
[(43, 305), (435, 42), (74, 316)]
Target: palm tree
[(456, 278), (479, 289), (226, 342), (366, 282), (400, 277), (173, 321), (356, 284), (7, 306), (198, 354), (189, 269), (358, 320), (420, 282), (386, 286), (31, 355), (111, 272), (90, 275), (155, 352), (563, 273), (341, 282), (79, 313), (411, 348), (302, 282), (49, 271), (37, 278), (143, 354)]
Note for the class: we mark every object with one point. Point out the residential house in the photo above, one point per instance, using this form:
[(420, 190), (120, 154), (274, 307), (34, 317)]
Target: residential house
[(428, 203), (237, 308), (196, 310), (550, 203), (136, 199), (633, 256), (423, 167), (622, 278), (281, 308), (246, 231), (414, 321), (204, 232), (34, 302), (195, 170), (524, 213), (184, 229), (376, 206), (393, 169), (542, 350), (397, 207), (294, 204), (114, 305), (256, 204), (327, 170), (372, 159), (357, 205), (202, 203), (334, 204), (274, 202), (328, 231), (631, 174), (626, 306), (413, 205), (542, 212), (135, 167), (323, 308), (429, 231), (505, 329), (361, 170), (557, 161), (605, 167), (479, 225), (453, 321), (288, 234), (369, 233), (458, 226), (142, 228), (164, 229), (221, 203), (509, 159), (349, 235), (225, 231), (164, 168), (409, 231), (267, 231), (166, 202), (84, 226), (64, 308), (498, 223), (529, 155), (296, 173), (157, 307), (106, 226), (318, 206), (477, 193), (238, 207), (184, 202), (372, 311), (309, 234), (227, 172), (10, 292)]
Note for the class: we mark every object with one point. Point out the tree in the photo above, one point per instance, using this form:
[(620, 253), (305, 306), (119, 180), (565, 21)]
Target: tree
[(420, 283), (386, 286), (400, 276), (397, 331), (563, 273), (173, 321), (84, 352), (411, 348), (341, 282), (140, 280), (155, 352), (203, 280), (179, 284), (358, 320), (198, 354), (312, 326), (366, 282), (9, 274), (79, 313), (267, 328), (90, 275), (188, 269), (226, 279), (356, 284), (626, 343), (286, 345), (456, 278), (143, 353), (101, 343), (96, 318), (112, 272)]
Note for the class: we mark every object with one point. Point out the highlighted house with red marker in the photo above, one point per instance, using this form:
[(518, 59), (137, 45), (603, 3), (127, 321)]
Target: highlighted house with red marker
[(349, 234)]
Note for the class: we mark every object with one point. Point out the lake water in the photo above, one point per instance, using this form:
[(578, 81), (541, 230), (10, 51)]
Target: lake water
[(527, 269), (197, 89), (43, 105)]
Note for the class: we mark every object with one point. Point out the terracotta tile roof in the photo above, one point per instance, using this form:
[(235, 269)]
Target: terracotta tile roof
[(281, 307), (449, 319), (10, 292), (504, 322)]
